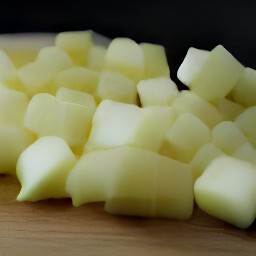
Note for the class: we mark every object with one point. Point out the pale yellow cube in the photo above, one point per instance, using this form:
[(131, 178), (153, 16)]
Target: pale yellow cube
[(228, 137), (186, 135), (76, 78), (117, 87), (36, 76), (155, 61), (246, 122), (218, 75), (126, 57), (77, 44), (77, 97), (48, 116), (188, 101), (160, 91), (245, 90)]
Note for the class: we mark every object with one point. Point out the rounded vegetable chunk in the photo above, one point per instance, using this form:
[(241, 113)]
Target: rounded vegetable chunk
[(115, 86), (13, 105), (47, 115), (36, 76), (191, 65), (159, 91), (126, 57), (246, 152), (185, 137), (203, 157), (42, 169), (155, 61), (8, 72), (77, 44), (76, 78), (96, 59), (246, 122), (189, 102), (228, 108), (116, 124), (245, 89), (91, 177), (217, 76), (77, 97), (228, 137), (13, 141), (226, 190)]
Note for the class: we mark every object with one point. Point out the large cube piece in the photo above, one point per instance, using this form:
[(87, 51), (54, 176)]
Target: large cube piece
[(227, 190)]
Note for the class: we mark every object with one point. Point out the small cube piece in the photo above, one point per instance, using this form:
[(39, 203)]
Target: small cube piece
[(116, 124), (37, 76), (117, 87), (246, 152), (48, 116), (246, 122), (228, 137), (187, 101), (159, 91), (192, 64), (185, 137), (125, 56), (77, 97), (96, 59), (203, 157), (77, 44), (76, 78), (245, 90), (42, 169), (226, 190), (155, 61), (228, 108), (210, 75), (13, 141)]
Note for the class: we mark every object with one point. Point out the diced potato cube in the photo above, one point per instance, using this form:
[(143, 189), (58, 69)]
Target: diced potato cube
[(36, 76), (48, 116), (226, 190), (246, 152), (246, 121), (189, 102), (228, 137), (8, 73), (13, 105), (96, 59), (125, 56), (115, 86), (42, 169), (13, 141), (245, 89), (77, 44), (203, 157), (211, 75), (76, 78), (228, 108), (185, 137), (116, 124), (159, 91), (192, 64), (77, 97), (155, 61)]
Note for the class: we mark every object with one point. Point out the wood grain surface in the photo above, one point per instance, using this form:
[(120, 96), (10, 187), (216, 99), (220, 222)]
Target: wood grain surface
[(55, 227)]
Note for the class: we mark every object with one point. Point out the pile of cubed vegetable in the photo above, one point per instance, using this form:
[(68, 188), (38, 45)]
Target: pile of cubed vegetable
[(106, 123)]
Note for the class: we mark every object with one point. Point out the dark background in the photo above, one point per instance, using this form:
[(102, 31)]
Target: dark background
[(175, 24)]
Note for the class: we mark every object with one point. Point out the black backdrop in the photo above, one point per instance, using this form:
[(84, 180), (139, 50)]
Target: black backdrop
[(175, 24)]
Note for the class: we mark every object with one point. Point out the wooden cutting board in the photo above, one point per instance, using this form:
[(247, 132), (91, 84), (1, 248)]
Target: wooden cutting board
[(55, 227)]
